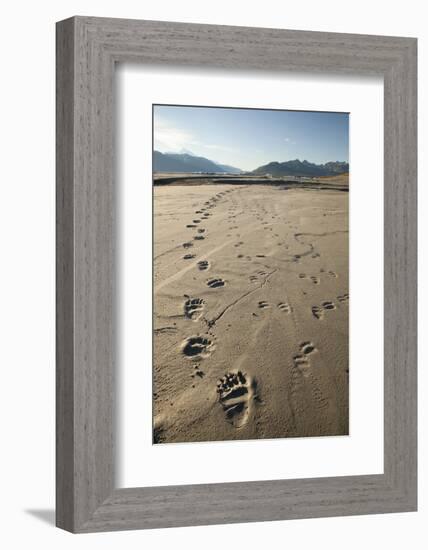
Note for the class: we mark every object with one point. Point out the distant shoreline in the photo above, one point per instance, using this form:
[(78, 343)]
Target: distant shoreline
[(339, 183)]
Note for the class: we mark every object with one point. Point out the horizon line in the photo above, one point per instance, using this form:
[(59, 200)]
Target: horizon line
[(270, 162)]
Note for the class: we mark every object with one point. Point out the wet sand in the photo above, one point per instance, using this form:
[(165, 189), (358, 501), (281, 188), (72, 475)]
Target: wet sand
[(250, 312)]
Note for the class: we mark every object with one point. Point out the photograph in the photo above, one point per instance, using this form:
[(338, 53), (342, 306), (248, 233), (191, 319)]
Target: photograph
[(250, 274)]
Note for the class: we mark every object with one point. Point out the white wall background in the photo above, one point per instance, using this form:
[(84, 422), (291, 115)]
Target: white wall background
[(27, 272)]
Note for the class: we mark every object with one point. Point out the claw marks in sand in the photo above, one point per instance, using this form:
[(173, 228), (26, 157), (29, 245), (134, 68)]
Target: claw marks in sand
[(344, 299), (304, 380), (193, 308), (197, 347), (301, 360), (236, 392), (313, 278), (284, 307), (319, 311), (215, 283), (203, 265)]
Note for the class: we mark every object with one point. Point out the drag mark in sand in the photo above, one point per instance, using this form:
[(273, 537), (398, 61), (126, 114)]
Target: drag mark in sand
[(165, 330), (167, 252), (297, 237), (213, 321)]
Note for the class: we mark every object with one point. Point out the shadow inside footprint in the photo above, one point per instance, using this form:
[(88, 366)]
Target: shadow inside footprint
[(286, 308), (203, 265), (193, 308), (215, 283), (343, 299), (197, 346), (307, 348), (235, 394), (317, 312)]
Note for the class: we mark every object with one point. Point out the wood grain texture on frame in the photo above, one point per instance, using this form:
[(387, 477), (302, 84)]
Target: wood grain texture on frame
[(87, 50)]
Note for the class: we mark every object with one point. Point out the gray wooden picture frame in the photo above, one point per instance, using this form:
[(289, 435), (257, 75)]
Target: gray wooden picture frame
[(87, 50)]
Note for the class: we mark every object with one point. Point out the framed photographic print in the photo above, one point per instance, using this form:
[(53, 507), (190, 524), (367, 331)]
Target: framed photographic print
[(236, 274), (249, 289)]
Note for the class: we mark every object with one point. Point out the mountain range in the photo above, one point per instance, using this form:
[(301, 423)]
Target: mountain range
[(187, 162), (302, 168)]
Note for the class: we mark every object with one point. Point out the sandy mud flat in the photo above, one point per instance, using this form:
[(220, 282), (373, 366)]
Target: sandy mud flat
[(250, 312)]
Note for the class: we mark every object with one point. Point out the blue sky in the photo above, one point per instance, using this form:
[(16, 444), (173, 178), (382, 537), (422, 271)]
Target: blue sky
[(248, 138)]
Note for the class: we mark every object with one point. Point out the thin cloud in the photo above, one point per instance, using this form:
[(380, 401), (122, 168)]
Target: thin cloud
[(169, 138)]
